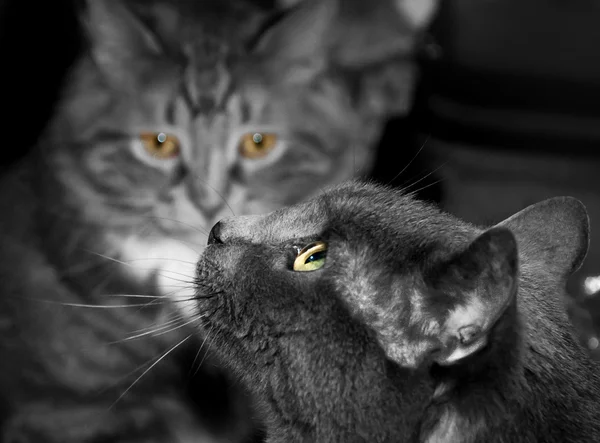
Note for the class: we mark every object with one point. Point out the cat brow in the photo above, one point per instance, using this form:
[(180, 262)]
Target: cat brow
[(204, 105)]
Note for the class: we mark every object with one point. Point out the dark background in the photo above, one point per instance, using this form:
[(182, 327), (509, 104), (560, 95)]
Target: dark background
[(515, 81)]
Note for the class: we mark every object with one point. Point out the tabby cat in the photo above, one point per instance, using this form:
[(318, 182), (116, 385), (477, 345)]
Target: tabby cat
[(177, 114), (364, 315)]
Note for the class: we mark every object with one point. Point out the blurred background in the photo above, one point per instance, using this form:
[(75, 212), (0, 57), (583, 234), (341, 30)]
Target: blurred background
[(506, 112)]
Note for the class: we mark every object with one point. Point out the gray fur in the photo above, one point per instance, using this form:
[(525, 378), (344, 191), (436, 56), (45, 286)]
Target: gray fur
[(419, 328)]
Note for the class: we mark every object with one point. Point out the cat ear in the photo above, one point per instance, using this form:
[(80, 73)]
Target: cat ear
[(296, 45), (382, 36), (552, 235), (119, 41), (481, 283), (418, 12)]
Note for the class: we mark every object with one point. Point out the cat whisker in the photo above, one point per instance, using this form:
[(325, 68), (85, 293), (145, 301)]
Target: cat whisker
[(205, 352), (426, 186), (136, 296), (159, 325), (195, 228), (410, 162), (155, 332), (168, 296), (159, 258), (188, 244), (405, 188), (129, 264), (198, 354), (189, 282), (197, 177), (161, 358), (81, 305)]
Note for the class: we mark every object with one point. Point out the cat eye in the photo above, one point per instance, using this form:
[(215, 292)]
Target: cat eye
[(311, 257), (160, 145), (256, 145)]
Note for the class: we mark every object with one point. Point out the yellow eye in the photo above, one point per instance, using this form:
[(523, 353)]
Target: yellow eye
[(160, 144), (311, 257), (257, 144)]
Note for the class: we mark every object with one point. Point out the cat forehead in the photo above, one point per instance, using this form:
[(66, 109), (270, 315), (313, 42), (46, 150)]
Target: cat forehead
[(301, 220), (180, 21)]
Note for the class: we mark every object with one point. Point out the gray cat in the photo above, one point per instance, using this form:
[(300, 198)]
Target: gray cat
[(177, 114), (364, 315)]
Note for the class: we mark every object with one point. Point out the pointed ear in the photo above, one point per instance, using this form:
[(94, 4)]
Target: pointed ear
[(482, 282), (368, 33), (382, 36), (452, 317), (418, 12), (119, 42), (296, 45), (552, 235)]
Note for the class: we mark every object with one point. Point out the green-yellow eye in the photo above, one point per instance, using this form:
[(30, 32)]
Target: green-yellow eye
[(311, 257)]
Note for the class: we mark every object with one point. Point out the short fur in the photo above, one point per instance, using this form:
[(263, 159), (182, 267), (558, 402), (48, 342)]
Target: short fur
[(419, 327), (90, 214)]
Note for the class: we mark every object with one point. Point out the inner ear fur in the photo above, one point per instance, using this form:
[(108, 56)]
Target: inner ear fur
[(481, 283), (463, 298)]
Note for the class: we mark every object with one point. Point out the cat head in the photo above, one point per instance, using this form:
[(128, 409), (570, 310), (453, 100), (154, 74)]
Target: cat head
[(324, 295), (180, 113)]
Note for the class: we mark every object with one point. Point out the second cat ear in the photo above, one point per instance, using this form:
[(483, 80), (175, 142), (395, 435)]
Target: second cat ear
[(118, 40), (296, 45)]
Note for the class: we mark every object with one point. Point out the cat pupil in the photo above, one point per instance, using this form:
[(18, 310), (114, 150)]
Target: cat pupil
[(315, 257), (257, 138)]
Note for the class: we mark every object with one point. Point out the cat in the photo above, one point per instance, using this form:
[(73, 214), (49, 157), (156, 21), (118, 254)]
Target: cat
[(365, 315), (176, 114)]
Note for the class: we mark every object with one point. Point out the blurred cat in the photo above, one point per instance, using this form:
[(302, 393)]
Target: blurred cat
[(177, 114)]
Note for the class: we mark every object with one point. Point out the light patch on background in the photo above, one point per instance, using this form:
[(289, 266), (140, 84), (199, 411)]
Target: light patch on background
[(591, 285), (174, 263)]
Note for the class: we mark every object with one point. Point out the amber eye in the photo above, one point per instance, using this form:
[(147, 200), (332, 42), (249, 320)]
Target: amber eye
[(160, 144), (311, 257), (257, 144)]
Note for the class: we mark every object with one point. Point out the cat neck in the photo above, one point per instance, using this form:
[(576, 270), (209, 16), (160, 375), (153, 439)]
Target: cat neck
[(352, 398)]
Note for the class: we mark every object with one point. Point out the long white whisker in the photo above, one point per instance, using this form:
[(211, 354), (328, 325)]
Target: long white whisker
[(196, 228), (83, 305), (147, 370), (128, 263), (157, 258), (427, 186), (206, 352), (154, 332), (411, 161), (154, 327), (197, 177), (424, 177), (198, 353), (137, 296)]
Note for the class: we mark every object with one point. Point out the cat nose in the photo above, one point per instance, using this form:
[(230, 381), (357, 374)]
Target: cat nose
[(214, 237)]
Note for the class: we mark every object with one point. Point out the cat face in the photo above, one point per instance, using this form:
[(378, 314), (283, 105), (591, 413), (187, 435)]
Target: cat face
[(371, 262), (349, 299), (181, 114)]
